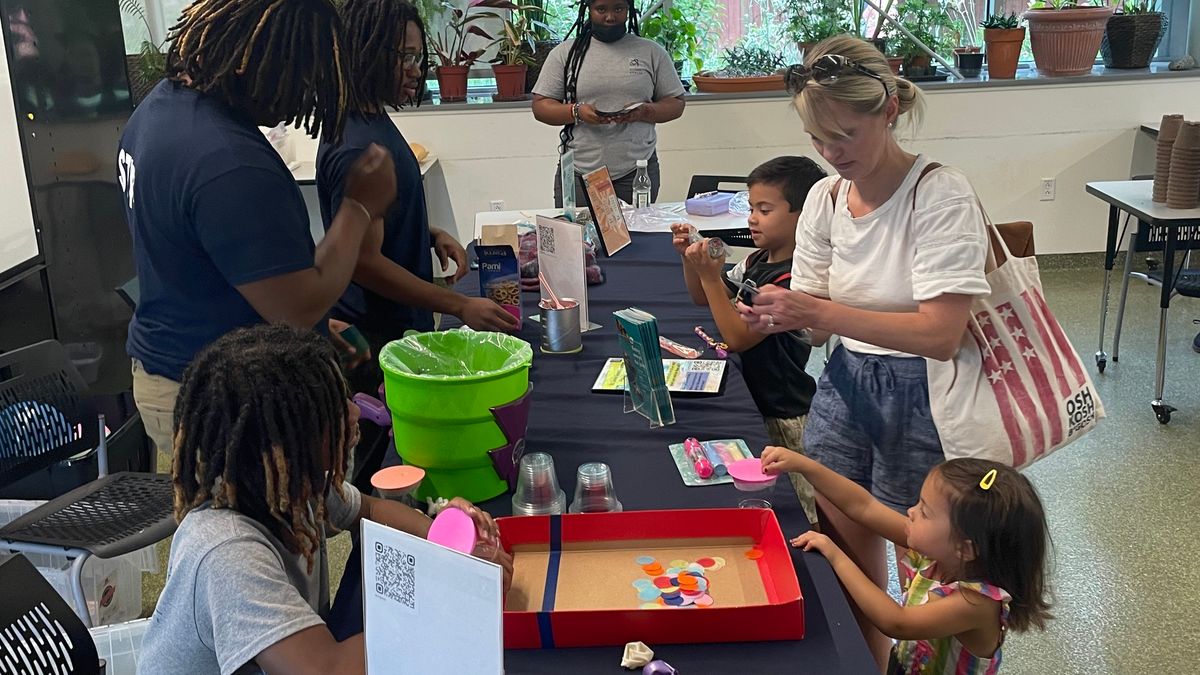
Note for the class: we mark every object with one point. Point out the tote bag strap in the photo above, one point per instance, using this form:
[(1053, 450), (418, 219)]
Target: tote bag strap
[(996, 242)]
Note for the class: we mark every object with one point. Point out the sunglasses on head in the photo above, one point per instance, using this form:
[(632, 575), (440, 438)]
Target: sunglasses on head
[(826, 70)]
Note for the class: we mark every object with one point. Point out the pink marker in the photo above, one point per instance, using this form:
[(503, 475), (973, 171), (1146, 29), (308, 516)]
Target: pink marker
[(695, 452)]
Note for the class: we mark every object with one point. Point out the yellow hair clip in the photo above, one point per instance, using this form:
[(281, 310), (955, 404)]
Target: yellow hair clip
[(988, 479)]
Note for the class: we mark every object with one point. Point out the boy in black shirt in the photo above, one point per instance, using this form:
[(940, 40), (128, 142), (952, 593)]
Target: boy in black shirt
[(773, 365)]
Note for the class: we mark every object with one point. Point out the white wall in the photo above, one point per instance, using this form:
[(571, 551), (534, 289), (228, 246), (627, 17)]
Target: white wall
[(1005, 138)]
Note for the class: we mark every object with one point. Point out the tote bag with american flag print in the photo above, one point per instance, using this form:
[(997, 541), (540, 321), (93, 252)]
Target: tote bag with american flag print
[(1017, 390)]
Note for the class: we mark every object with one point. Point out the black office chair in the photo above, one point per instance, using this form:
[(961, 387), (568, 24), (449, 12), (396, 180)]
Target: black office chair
[(702, 183), (38, 631), (44, 419)]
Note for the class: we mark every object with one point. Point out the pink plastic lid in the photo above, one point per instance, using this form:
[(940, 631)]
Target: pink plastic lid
[(749, 471), (397, 477), (453, 528)]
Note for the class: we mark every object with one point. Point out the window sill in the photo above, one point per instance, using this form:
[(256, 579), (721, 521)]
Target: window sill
[(481, 101)]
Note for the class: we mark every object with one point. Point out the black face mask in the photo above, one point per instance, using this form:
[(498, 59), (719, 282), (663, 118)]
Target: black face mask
[(608, 33)]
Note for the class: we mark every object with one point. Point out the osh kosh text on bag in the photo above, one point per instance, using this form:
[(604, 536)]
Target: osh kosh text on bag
[(1081, 411)]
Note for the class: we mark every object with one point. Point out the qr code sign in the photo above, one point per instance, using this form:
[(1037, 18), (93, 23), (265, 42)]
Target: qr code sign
[(395, 576), (546, 240)]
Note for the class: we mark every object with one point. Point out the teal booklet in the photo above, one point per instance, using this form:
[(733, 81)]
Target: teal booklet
[(648, 395)]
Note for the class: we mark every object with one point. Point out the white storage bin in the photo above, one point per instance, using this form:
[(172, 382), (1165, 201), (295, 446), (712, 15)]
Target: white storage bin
[(120, 644), (112, 587)]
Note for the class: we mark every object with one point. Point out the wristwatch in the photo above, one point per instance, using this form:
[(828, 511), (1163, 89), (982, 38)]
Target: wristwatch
[(575, 112)]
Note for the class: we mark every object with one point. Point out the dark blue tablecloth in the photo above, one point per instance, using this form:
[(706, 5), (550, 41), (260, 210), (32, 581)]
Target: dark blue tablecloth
[(577, 426)]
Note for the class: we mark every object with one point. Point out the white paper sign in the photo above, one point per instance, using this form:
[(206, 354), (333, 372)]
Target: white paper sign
[(561, 262), (429, 609)]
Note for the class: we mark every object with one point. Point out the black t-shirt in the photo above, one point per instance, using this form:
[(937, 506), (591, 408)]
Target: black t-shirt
[(211, 207), (406, 240), (774, 368)]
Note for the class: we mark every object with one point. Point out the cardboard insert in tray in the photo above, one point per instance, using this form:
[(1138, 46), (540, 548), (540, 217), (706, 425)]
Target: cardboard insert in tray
[(678, 576)]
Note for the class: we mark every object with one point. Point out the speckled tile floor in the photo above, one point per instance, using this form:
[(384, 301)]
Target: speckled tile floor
[(1122, 502)]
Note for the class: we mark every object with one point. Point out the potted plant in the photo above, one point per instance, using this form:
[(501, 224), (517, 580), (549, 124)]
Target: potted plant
[(544, 40), (1065, 37), (671, 29), (811, 21), (450, 45), (1131, 36), (515, 53), (149, 65), (967, 56), (1003, 37), (746, 69), (929, 23)]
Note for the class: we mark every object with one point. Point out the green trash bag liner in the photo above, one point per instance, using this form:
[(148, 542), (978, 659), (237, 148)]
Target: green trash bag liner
[(455, 355)]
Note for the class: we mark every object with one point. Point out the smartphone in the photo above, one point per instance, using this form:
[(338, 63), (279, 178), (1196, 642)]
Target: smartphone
[(747, 289)]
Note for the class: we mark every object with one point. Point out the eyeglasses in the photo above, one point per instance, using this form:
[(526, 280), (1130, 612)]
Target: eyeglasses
[(408, 59), (826, 70)]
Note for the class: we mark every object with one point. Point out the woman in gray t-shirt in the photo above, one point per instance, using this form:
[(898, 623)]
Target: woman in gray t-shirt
[(605, 68)]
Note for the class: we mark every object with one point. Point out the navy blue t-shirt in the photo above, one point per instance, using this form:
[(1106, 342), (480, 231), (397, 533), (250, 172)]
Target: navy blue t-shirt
[(211, 206), (406, 240)]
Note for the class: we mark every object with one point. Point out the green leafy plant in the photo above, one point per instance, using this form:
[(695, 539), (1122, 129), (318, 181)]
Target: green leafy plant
[(1140, 7), (810, 21), (1001, 21), (519, 35), (743, 61), (929, 23), (151, 62), (450, 43), (676, 34)]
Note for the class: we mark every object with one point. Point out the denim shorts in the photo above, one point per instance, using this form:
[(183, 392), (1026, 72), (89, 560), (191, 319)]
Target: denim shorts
[(870, 422)]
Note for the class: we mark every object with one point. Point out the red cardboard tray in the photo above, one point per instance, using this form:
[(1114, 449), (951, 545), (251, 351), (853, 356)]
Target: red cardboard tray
[(574, 575)]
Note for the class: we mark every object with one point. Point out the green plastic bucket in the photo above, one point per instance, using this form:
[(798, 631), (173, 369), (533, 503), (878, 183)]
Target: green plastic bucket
[(440, 388)]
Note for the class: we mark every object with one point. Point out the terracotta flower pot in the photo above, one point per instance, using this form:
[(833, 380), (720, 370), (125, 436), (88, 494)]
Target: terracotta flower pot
[(510, 82), (1183, 186), (719, 85), (1066, 41), (1003, 51), (894, 62), (452, 83), (1167, 131)]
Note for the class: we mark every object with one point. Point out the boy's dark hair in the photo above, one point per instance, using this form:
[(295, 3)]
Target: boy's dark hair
[(374, 41), (582, 28), (1007, 527), (270, 60), (794, 176), (260, 428)]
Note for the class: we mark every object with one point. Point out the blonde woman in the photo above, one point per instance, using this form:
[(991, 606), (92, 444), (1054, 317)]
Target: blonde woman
[(888, 254)]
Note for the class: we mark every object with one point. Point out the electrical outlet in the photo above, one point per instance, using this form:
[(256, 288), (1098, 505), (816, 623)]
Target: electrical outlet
[(497, 204), (1047, 190)]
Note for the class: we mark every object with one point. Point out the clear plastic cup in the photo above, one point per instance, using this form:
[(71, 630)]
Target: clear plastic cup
[(594, 492), (754, 504), (537, 492)]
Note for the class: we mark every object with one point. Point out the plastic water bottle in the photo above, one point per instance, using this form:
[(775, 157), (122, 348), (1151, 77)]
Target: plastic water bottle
[(641, 186)]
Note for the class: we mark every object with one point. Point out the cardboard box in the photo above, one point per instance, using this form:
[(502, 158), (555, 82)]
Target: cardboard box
[(574, 578)]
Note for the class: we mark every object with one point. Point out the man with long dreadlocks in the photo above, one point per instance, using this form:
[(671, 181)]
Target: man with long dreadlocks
[(607, 67), (263, 433), (384, 43), (220, 231)]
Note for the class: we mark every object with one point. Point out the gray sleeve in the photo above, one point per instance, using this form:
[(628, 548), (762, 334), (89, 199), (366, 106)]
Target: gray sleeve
[(550, 81), (343, 511), (244, 602), (666, 80)]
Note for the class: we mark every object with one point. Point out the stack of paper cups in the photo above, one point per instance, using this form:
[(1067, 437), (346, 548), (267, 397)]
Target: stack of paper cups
[(1167, 132), (1183, 189)]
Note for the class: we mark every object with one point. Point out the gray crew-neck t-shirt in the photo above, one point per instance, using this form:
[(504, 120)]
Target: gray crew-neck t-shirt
[(233, 589), (613, 75)]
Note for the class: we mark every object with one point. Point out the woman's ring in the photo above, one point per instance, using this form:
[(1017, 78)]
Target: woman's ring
[(770, 321)]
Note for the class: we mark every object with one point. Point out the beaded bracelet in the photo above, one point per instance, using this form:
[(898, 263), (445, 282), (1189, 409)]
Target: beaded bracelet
[(720, 348)]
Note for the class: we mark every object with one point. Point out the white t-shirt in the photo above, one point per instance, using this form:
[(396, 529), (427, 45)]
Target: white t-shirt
[(896, 256)]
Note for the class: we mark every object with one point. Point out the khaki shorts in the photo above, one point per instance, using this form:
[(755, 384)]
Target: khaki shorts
[(155, 397), (788, 432)]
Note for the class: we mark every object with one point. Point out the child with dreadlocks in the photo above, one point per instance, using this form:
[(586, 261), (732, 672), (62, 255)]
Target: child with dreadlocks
[(264, 429), (220, 231), (607, 67), (385, 48)]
